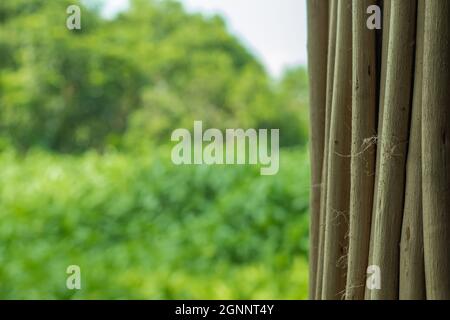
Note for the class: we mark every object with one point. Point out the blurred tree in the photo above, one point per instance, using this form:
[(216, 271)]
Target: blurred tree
[(141, 74)]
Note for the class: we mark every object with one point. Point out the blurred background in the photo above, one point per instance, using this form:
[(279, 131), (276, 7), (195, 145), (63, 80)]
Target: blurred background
[(85, 172)]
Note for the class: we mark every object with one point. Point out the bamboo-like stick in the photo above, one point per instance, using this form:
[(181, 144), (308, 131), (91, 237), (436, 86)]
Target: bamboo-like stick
[(362, 150), (382, 86), (396, 114), (436, 149), (412, 274), (338, 186), (329, 100), (317, 57)]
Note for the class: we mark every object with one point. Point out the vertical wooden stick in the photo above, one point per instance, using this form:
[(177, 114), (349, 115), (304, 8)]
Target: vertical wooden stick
[(317, 56), (329, 100), (436, 149), (396, 114), (362, 150), (338, 186), (412, 274), (382, 86)]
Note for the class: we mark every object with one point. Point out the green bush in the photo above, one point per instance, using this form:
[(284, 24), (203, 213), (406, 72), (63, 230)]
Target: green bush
[(140, 227)]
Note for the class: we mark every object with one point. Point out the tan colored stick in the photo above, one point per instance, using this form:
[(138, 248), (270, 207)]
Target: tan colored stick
[(390, 195), (436, 149), (317, 56), (362, 150), (329, 100), (384, 55), (412, 274), (338, 186)]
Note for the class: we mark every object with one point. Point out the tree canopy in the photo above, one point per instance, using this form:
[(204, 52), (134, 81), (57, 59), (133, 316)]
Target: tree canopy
[(132, 79)]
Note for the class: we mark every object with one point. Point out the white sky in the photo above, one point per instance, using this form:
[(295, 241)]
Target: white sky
[(275, 30)]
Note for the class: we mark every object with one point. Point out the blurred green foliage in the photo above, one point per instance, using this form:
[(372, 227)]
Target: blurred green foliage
[(132, 79), (140, 227), (86, 179)]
